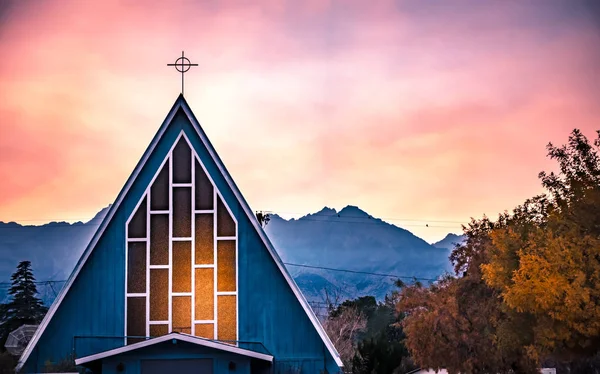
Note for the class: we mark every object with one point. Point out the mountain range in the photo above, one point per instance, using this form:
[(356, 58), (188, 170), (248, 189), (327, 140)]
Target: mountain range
[(332, 255)]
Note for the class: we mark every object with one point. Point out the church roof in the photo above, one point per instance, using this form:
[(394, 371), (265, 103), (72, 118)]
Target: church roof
[(175, 336), (180, 105)]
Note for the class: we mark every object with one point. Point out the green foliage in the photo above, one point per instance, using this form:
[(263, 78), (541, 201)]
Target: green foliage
[(379, 346), (380, 355), (24, 307)]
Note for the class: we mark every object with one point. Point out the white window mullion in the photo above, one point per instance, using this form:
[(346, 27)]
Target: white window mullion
[(204, 266), (148, 259), (226, 293), (193, 248), (170, 315), (215, 316), (136, 240)]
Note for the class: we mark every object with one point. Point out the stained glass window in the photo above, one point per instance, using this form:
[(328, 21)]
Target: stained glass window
[(204, 243), (159, 193), (182, 314), (159, 239), (205, 330), (225, 224), (181, 255), (136, 318), (136, 267), (182, 266), (227, 320), (182, 163), (137, 225), (226, 265), (204, 189), (182, 212), (159, 294), (205, 294)]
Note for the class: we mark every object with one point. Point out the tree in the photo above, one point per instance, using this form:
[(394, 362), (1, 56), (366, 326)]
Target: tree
[(545, 261), (381, 349), (343, 327), (24, 307), (527, 286), (263, 218), (458, 323)]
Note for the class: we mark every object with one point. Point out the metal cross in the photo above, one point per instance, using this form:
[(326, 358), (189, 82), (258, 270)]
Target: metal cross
[(182, 64)]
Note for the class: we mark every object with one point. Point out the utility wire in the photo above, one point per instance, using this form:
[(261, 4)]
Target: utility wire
[(288, 264), (360, 272)]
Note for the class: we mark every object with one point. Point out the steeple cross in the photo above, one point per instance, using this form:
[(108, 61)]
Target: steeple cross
[(182, 65)]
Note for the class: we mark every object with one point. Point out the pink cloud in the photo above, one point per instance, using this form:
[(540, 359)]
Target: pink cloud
[(422, 113)]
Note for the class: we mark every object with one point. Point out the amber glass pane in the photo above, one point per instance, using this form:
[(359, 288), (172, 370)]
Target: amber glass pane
[(205, 294), (182, 162), (182, 266), (225, 224), (159, 294), (159, 193), (226, 265), (182, 314), (159, 330), (205, 330), (204, 239), (227, 319), (159, 239), (182, 212), (137, 225), (204, 189), (136, 317), (136, 267)]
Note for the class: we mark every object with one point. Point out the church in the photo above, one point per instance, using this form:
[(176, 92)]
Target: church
[(181, 278)]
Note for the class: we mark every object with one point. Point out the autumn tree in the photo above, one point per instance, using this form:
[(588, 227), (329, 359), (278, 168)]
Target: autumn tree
[(459, 323), (545, 261), (527, 286)]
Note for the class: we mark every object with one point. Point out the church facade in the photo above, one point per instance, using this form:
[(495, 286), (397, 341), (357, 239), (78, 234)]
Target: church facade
[(180, 277)]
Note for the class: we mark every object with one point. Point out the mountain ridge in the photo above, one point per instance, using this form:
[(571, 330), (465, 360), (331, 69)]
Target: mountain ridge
[(348, 239)]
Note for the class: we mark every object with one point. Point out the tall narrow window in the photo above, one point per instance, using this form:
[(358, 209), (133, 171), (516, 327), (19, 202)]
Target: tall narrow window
[(181, 258)]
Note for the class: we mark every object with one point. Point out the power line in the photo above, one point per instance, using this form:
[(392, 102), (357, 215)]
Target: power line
[(49, 282), (46, 282), (360, 272)]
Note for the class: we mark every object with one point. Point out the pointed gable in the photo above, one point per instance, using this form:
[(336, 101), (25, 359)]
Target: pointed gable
[(181, 251)]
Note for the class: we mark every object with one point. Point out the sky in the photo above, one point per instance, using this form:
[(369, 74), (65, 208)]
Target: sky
[(419, 112)]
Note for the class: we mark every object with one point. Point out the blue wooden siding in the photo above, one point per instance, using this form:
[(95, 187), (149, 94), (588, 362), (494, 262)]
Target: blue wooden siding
[(94, 307)]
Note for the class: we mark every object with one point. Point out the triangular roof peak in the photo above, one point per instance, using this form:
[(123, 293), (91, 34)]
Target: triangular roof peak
[(180, 105), (180, 337)]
